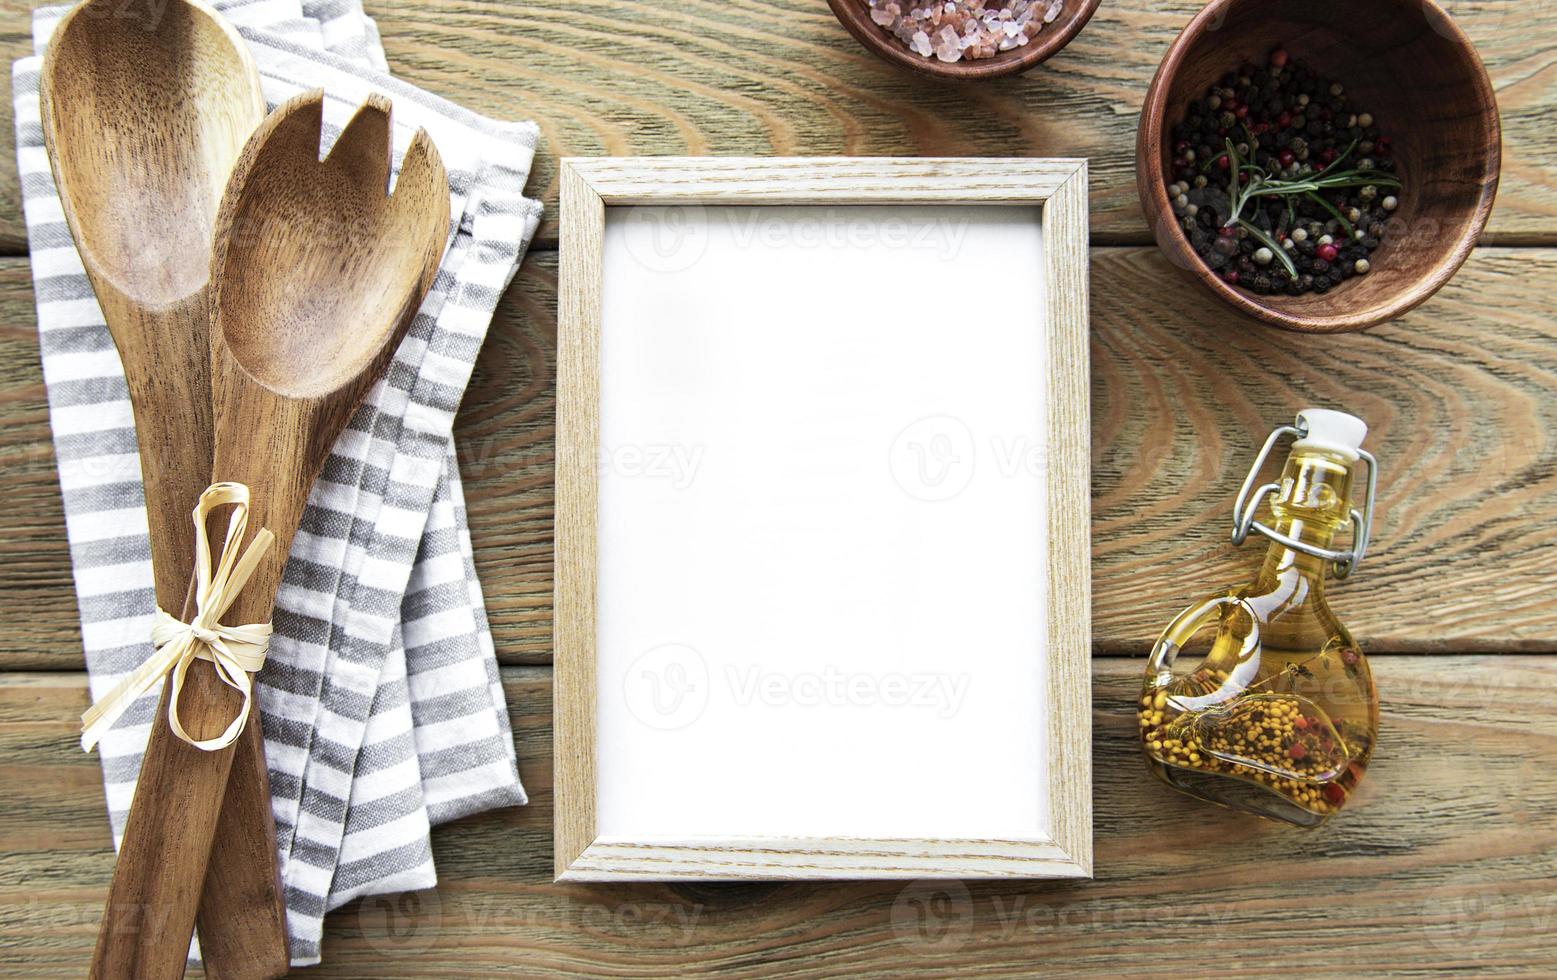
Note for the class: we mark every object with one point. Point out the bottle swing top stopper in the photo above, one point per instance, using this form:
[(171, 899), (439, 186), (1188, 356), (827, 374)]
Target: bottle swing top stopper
[(1322, 429), (1327, 429)]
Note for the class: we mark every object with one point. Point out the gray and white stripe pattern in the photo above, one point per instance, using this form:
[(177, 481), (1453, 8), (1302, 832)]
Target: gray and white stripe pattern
[(381, 702)]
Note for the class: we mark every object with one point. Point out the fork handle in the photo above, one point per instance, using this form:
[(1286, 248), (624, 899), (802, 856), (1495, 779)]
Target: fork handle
[(155, 892)]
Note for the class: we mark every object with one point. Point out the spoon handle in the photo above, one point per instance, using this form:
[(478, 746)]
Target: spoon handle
[(242, 918), (150, 911)]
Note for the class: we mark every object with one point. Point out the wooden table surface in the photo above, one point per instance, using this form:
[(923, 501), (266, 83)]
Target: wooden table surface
[(1447, 861)]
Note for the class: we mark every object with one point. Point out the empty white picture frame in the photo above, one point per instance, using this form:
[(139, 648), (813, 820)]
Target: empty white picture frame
[(822, 557)]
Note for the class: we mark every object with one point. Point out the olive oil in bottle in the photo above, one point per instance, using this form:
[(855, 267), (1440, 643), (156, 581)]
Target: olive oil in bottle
[(1280, 716)]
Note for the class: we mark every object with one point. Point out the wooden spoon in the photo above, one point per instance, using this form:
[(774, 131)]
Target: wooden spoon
[(144, 118), (143, 121)]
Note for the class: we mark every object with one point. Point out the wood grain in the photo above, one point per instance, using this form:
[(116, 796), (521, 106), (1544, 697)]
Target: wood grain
[(709, 77), (1458, 394), (1067, 414), (710, 181), (1446, 861), (578, 490), (590, 186)]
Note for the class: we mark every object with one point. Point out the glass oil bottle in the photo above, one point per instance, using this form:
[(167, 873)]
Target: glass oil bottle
[(1280, 716)]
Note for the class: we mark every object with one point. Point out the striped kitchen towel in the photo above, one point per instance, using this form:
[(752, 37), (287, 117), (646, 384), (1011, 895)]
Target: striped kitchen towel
[(381, 703)]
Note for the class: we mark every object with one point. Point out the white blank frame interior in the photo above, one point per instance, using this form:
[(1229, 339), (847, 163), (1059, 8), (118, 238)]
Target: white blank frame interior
[(822, 604)]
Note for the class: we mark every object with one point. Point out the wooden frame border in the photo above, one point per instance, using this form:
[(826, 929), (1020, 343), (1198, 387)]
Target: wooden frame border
[(588, 187)]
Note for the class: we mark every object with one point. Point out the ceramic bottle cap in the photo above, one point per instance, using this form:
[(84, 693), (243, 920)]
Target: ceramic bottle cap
[(1333, 431)]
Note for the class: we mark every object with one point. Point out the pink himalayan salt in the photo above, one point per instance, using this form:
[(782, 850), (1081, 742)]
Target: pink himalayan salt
[(952, 30)]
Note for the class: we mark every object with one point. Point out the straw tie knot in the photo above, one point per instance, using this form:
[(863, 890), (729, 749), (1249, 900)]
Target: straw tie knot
[(235, 651)]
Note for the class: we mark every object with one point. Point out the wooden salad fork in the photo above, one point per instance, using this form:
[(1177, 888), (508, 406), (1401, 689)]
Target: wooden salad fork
[(317, 272)]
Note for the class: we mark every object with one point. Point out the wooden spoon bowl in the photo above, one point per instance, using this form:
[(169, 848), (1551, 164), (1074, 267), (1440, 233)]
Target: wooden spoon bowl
[(1406, 62), (175, 97), (143, 121), (854, 15)]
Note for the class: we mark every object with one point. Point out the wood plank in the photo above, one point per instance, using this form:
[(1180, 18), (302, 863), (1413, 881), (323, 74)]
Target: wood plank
[(38, 617), (1448, 860), (1458, 392), (709, 77)]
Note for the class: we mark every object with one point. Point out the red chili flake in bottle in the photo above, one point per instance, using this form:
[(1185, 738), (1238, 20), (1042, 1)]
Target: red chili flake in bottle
[(1334, 793), (1284, 120), (1287, 158), (1278, 58), (1181, 146), (1327, 252), (1226, 232), (1242, 112), (1297, 751), (1260, 129)]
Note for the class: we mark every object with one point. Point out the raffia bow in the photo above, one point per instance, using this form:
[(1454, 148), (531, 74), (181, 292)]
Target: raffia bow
[(236, 651)]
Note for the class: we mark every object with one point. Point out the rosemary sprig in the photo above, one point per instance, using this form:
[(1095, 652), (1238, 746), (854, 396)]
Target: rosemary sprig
[(1334, 212), (1262, 184), (1270, 243)]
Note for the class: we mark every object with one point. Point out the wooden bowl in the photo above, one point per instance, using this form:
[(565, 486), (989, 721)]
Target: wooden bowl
[(855, 16), (1407, 63)]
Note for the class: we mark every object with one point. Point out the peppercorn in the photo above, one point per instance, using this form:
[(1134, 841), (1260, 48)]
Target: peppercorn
[(1288, 125)]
